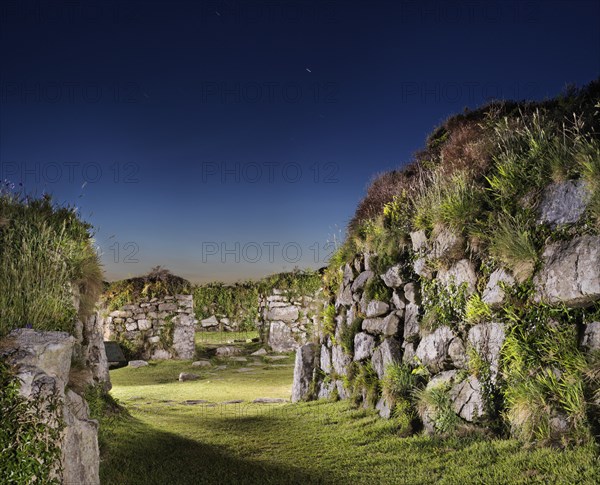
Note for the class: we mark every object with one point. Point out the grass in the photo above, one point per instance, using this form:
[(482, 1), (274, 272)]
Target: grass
[(317, 442), (224, 337)]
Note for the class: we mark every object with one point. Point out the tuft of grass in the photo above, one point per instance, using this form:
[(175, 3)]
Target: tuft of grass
[(512, 243), (434, 405)]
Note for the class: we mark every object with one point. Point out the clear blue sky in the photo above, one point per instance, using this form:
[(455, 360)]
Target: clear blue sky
[(183, 129)]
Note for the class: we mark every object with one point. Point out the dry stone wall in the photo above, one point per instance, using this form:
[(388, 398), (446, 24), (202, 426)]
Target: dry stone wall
[(157, 328), (396, 330), (287, 319)]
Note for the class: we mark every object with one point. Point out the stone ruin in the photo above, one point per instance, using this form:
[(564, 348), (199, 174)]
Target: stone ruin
[(157, 328)]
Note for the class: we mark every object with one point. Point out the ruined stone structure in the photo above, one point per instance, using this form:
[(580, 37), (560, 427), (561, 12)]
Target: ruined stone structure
[(157, 328)]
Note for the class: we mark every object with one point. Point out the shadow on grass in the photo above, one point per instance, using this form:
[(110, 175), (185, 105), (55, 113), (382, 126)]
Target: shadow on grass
[(135, 453)]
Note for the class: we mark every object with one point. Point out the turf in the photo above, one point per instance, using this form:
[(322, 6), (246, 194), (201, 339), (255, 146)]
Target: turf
[(164, 441)]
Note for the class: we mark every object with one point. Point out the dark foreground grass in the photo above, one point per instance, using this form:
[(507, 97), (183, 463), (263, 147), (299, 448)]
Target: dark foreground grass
[(166, 442)]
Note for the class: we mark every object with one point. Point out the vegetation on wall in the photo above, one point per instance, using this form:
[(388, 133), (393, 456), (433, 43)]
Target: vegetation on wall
[(481, 176), (39, 238), (29, 435)]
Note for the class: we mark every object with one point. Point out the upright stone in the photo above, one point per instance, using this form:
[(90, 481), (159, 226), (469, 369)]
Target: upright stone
[(303, 371)]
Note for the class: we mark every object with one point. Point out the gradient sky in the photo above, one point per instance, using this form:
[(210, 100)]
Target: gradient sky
[(192, 133)]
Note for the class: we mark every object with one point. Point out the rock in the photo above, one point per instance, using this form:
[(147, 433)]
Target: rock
[(167, 307), (393, 276), (303, 371), (201, 363), (228, 351), (184, 345), (325, 390), (144, 324), (186, 376), (154, 340), (570, 272), (238, 359), (344, 296), (564, 202), (79, 448), (467, 399), (161, 354), (348, 275), (387, 353), (397, 301), (358, 264), (433, 349), (591, 336), (325, 360), (50, 352), (411, 293), (422, 267), (209, 322), (281, 338), (409, 353), (487, 340), (457, 353), (340, 360), (136, 364), (461, 272), (245, 369), (259, 352), (194, 402), (443, 378), (448, 246), (363, 346), (387, 326), (493, 294), (131, 326), (419, 241), (361, 280), (286, 314), (385, 410), (411, 322), (376, 308)]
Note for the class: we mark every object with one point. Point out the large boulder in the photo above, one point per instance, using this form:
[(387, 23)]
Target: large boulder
[(306, 359), (387, 353), (288, 314), (363, 346), (50, 352), (448, 245), (467, 399), (433, 349), (459, 273), (570, 273), (281, 338), (487, 340), (564, 202)]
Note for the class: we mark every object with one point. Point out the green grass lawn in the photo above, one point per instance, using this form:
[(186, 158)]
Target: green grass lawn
[(224, 337), (165, 441)]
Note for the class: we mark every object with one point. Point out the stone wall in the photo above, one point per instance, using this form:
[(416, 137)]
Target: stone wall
[(396, 330), (42, 361), (158, 328), (287, 320)]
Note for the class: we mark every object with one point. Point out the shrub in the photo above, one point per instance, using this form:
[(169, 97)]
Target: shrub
[(434, 405), (443, 305), (45, 251), (348, 333)]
